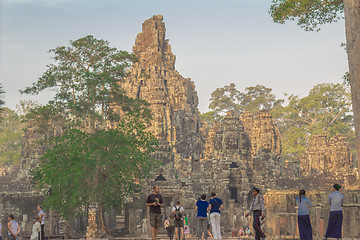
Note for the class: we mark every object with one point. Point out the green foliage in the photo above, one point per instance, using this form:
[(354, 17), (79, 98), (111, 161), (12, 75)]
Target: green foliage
[(259, 98), (326, 110), (10, 137), (2, 102), (104, 153), (85, 78), (308, 13), (228, 98), (210, 117), (103, 167)]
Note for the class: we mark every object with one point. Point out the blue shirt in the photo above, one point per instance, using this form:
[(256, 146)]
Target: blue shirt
[(215, 205), (202, 208), (336, 200), (303, 205)]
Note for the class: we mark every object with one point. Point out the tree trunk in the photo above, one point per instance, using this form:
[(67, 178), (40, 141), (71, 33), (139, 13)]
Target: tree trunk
[(352, 26), (102, 220)]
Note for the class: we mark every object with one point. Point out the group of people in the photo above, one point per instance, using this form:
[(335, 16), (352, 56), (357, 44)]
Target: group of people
[(210, 212), (37, 229), (205, 210), (177, 222), (335, 200)]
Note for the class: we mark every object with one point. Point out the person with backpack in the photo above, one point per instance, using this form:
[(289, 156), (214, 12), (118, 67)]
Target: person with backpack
[(215, 204), (178, 212)]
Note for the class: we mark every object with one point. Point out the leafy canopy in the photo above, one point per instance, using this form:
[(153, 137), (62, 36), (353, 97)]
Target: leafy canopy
[(85, 78), (326, 110), (10, 137), (228, 98), (103, 167), (98, 148), (308, 13), (2, 102)]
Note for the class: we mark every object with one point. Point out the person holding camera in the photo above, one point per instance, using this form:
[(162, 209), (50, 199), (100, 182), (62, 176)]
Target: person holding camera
[(155, 202)]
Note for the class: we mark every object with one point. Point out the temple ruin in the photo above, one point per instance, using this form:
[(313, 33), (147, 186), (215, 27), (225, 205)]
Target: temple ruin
[(228, 157)]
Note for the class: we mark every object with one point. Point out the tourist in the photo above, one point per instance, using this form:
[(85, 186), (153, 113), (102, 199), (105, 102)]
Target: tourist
[(208, 226), (42, 215), (13, 228), (155, 202), (258, 208), (304, 223), (36, 229), (166, 225), (336, 201), (241, 232), (178, 212), (171, 226), (247, 232), (215, 204), (202, 220), (186, 225)]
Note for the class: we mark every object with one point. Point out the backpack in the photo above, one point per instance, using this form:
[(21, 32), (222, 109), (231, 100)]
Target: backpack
[(178, 213)]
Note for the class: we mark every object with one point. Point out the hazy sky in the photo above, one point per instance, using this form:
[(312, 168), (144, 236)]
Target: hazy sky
[(215, 42)]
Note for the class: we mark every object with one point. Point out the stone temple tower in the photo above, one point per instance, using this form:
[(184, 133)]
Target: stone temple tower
[(173, 99)]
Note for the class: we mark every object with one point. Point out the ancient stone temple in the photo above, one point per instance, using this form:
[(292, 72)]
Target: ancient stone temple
[(172, 97), (228, 157)]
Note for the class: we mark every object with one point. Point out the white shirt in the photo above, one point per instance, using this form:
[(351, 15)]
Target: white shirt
[(180, 209), (35, 231)]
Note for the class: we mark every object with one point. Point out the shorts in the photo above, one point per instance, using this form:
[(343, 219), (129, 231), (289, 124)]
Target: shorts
[(179, 223), (155, 220), (11, 237)]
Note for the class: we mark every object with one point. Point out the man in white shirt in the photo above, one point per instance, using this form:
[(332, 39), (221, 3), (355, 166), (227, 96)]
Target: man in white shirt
[(178, 212)]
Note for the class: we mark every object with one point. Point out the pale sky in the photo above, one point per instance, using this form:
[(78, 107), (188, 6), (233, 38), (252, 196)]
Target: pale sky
[(215, 42)]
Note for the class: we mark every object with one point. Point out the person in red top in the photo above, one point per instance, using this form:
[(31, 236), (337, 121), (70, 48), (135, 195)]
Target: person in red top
[(155, 202)]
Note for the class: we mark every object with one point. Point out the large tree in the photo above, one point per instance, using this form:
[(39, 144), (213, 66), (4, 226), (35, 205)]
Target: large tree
[(228, 98), (311, 14), (326, 110), (2, 102), (10, 137), (104, 151)]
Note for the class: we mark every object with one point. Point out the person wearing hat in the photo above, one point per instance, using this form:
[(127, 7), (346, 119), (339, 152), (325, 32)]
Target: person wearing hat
[(336, 201), (257, 207)]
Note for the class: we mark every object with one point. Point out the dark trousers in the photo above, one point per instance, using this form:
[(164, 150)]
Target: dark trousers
[(42, 232), (256, 224), (334, 225), (170, 231)]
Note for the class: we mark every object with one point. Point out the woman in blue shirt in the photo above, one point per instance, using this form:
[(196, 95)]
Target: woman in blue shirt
[(304, 223), (336, 201)]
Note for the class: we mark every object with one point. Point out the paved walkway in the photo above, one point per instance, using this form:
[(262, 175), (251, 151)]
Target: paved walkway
[(164, 237)]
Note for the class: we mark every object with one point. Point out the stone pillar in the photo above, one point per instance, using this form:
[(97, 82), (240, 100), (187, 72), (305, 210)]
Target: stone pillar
[(277, 227), (91, 231)]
